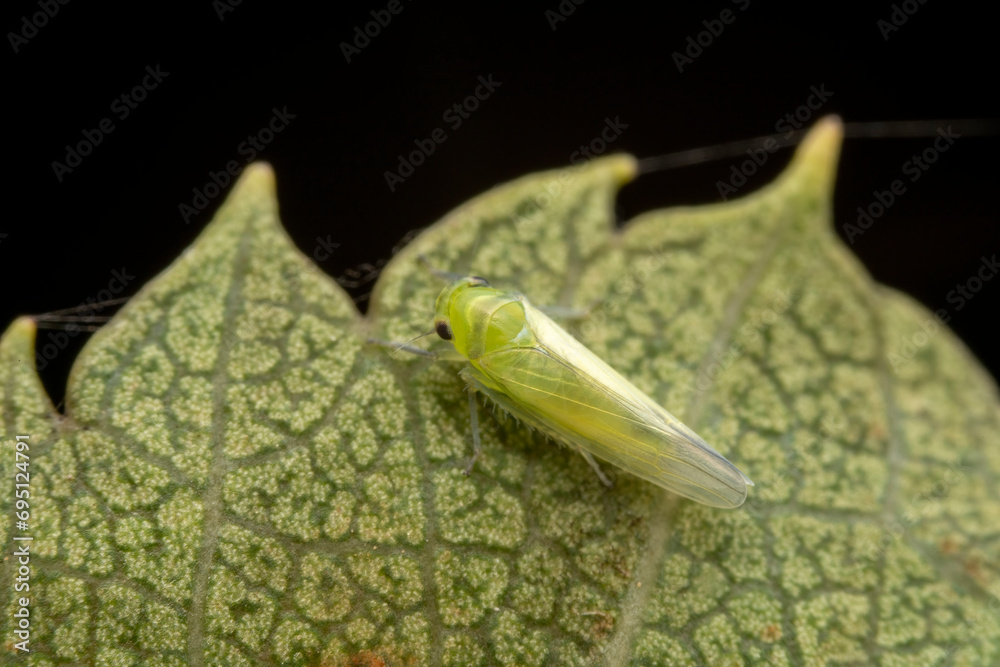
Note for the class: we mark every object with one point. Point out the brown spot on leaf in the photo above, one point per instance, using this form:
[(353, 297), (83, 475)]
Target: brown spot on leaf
[(948, 546), (771, 633), (974, 568), (876, 431), (602, 625), (377, 658), (367, 659)]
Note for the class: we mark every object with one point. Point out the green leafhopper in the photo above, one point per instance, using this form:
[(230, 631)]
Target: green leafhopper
[(536, 371)]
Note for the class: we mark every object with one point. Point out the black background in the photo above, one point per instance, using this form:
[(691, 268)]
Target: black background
[(119, 208)]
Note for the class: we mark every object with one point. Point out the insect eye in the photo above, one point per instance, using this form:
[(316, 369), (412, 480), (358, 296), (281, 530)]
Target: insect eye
[(443, 330), (479, 282)]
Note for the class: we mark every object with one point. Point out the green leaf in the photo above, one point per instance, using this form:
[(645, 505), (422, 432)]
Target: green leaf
[(240, 479)]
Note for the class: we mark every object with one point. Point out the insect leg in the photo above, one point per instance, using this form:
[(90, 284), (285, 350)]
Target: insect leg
[(477, 444), (478, 381), (597, 468)]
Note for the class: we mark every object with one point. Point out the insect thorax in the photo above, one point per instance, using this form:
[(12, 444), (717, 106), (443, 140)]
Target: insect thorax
[(486, 320)]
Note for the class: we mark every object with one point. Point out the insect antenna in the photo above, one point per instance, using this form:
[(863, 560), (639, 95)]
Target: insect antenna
[(59, 319), (862, 130), (394, 347), (410, 348), (447, 276)]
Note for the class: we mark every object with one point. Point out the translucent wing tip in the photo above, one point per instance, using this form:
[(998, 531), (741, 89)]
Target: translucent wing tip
[(741, 494)]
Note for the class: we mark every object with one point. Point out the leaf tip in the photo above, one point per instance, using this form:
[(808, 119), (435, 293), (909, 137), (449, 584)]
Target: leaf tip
[(254, 191), (624, 168), (815, 161), (258, 176), (18, 362), (20, 336)]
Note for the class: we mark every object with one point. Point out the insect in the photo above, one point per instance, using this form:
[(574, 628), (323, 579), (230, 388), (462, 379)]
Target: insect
[(536, 371)]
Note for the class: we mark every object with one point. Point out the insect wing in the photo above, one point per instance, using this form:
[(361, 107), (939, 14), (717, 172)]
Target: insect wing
[(568, 392)]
